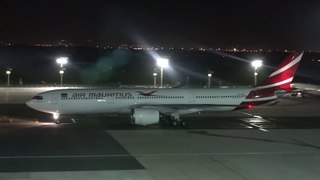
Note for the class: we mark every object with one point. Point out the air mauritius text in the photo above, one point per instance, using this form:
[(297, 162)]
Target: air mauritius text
[(80, 95)]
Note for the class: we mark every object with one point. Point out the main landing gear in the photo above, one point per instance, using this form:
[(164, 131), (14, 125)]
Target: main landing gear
[(172, 120), (179, 123)]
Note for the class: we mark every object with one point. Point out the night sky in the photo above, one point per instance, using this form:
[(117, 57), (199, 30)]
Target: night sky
[(249, 24)]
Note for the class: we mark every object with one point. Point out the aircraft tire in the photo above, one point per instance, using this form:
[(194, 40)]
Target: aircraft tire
[(175, 123), (183, 123)]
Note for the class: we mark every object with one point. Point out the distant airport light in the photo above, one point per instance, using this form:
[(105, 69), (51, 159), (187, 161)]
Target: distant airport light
[(62, 61), (256, 64), (8, 72), (162, 63)]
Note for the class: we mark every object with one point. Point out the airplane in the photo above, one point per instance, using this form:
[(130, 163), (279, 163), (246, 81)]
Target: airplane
[(152, 106)]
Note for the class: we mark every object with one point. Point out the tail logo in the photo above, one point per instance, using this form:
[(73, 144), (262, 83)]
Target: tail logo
[(147, 93)]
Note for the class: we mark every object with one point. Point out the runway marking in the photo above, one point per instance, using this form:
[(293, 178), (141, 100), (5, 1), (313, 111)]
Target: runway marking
[(161, 155), (251, 115), (254, 125), (72, 156)]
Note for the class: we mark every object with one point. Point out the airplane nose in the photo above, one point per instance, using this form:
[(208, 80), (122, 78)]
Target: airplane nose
[(30, 103)]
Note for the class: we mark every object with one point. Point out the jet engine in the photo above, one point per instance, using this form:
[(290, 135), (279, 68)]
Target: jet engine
[(140, 116)]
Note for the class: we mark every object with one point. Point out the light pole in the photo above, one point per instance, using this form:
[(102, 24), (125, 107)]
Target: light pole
[(8, 72), (61, 72), (256, 64), (162, 63), (209, 79), (155, 79), (62, 61)]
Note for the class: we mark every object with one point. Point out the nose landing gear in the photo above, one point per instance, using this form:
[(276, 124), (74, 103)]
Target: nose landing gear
[(56, 118)]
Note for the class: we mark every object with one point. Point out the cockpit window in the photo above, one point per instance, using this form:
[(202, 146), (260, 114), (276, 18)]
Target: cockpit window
[(38, 97)]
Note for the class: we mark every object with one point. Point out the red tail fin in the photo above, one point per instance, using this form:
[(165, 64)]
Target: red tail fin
[(279, 80), (283, 76)]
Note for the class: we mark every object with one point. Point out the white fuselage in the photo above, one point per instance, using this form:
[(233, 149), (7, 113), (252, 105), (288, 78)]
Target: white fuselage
[(86, 101)]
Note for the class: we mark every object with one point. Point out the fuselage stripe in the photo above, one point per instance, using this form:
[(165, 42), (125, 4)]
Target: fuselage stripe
[(274, 84)]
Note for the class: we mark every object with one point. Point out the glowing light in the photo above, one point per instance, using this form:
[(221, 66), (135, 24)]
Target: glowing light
[(61, 72), (55, 116), (46, 123), (162, 62), (256, 63), (62, 61), (250, 105)]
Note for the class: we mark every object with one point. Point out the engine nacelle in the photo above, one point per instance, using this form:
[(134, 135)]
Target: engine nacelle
[(140, 116)]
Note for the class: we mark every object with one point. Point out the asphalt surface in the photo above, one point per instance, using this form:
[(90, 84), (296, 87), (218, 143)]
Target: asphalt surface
[(34, 147)]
